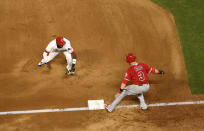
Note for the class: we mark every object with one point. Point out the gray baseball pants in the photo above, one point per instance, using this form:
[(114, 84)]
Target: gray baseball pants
[(130, 90)]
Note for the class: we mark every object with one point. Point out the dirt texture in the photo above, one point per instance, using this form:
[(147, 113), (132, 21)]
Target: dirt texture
[(101, 33)]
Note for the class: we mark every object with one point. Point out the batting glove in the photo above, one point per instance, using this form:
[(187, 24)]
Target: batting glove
[(161, 72)]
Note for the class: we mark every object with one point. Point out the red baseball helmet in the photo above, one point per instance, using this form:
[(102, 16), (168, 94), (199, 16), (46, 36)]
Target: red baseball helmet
[(60, 41), (130, 57)]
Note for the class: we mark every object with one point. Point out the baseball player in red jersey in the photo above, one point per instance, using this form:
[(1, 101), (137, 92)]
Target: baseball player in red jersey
[(138, 74)]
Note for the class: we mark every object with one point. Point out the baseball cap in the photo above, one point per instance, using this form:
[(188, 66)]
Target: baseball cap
[(60, 41)]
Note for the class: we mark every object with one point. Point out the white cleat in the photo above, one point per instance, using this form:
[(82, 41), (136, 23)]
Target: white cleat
[(143, 106), (107, 108), (68, 72)]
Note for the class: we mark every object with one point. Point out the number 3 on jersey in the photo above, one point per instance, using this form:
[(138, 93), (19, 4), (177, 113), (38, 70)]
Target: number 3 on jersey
[(140, 75)]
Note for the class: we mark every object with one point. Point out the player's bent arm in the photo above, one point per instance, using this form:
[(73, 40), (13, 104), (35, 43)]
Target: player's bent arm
[(45, 55), (124, 83), (122, 87)]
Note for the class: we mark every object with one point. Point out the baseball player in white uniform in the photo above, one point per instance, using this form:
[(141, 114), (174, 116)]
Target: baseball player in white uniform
[(60, 44)]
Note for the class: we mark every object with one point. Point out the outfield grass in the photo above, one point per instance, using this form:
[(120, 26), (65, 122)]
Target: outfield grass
[(189, 17)]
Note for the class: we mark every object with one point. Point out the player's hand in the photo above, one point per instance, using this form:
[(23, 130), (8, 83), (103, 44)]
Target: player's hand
[(161, 72)]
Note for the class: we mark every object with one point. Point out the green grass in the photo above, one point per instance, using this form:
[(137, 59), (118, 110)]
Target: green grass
[(189, 17)]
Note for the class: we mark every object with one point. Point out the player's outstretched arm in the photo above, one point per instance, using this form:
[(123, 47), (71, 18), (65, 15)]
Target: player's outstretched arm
[(122, 87), (45, 56)]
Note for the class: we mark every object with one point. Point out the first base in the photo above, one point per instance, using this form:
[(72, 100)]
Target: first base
[(96, 104)]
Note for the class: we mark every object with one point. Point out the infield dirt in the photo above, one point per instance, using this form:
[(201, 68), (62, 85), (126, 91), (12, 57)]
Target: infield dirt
[(101, 33)]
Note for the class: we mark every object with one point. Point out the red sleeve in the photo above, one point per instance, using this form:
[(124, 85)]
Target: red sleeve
[(149, 69), (73, 53), (127, 77), (46, 51)]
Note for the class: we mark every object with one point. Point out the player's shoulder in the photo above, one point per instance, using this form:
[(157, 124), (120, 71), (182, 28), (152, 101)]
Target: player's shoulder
[(130, 68), (67, 41), (52, 43), (143, 64)]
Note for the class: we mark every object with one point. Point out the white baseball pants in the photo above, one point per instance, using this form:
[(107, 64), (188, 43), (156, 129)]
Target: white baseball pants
[(52, 55)]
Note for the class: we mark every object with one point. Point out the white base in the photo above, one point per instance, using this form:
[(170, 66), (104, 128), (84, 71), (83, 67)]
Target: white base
[(96, 104)]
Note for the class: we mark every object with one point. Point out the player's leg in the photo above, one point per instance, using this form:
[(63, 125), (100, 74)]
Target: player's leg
[(140, 96), (143, 105), (69, 63), (111, 107), (139, 90), (50, 57)]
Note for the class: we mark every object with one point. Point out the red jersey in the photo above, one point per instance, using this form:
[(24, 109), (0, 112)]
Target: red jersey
[(138, 74)]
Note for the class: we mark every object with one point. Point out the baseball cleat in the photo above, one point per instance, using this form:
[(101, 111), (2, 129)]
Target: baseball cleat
[(143, 106), (68, 72), (107, 108)]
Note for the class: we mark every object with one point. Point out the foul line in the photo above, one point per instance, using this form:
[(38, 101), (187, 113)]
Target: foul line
[(163, 104), (86, 108)]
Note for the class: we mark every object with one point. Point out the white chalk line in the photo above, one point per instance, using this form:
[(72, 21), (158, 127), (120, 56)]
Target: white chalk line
[(163, 104), (86, 108)]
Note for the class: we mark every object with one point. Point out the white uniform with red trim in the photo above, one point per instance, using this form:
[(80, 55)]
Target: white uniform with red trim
[(52, 51)]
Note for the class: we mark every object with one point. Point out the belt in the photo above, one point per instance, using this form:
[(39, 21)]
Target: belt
[(140, 84)]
